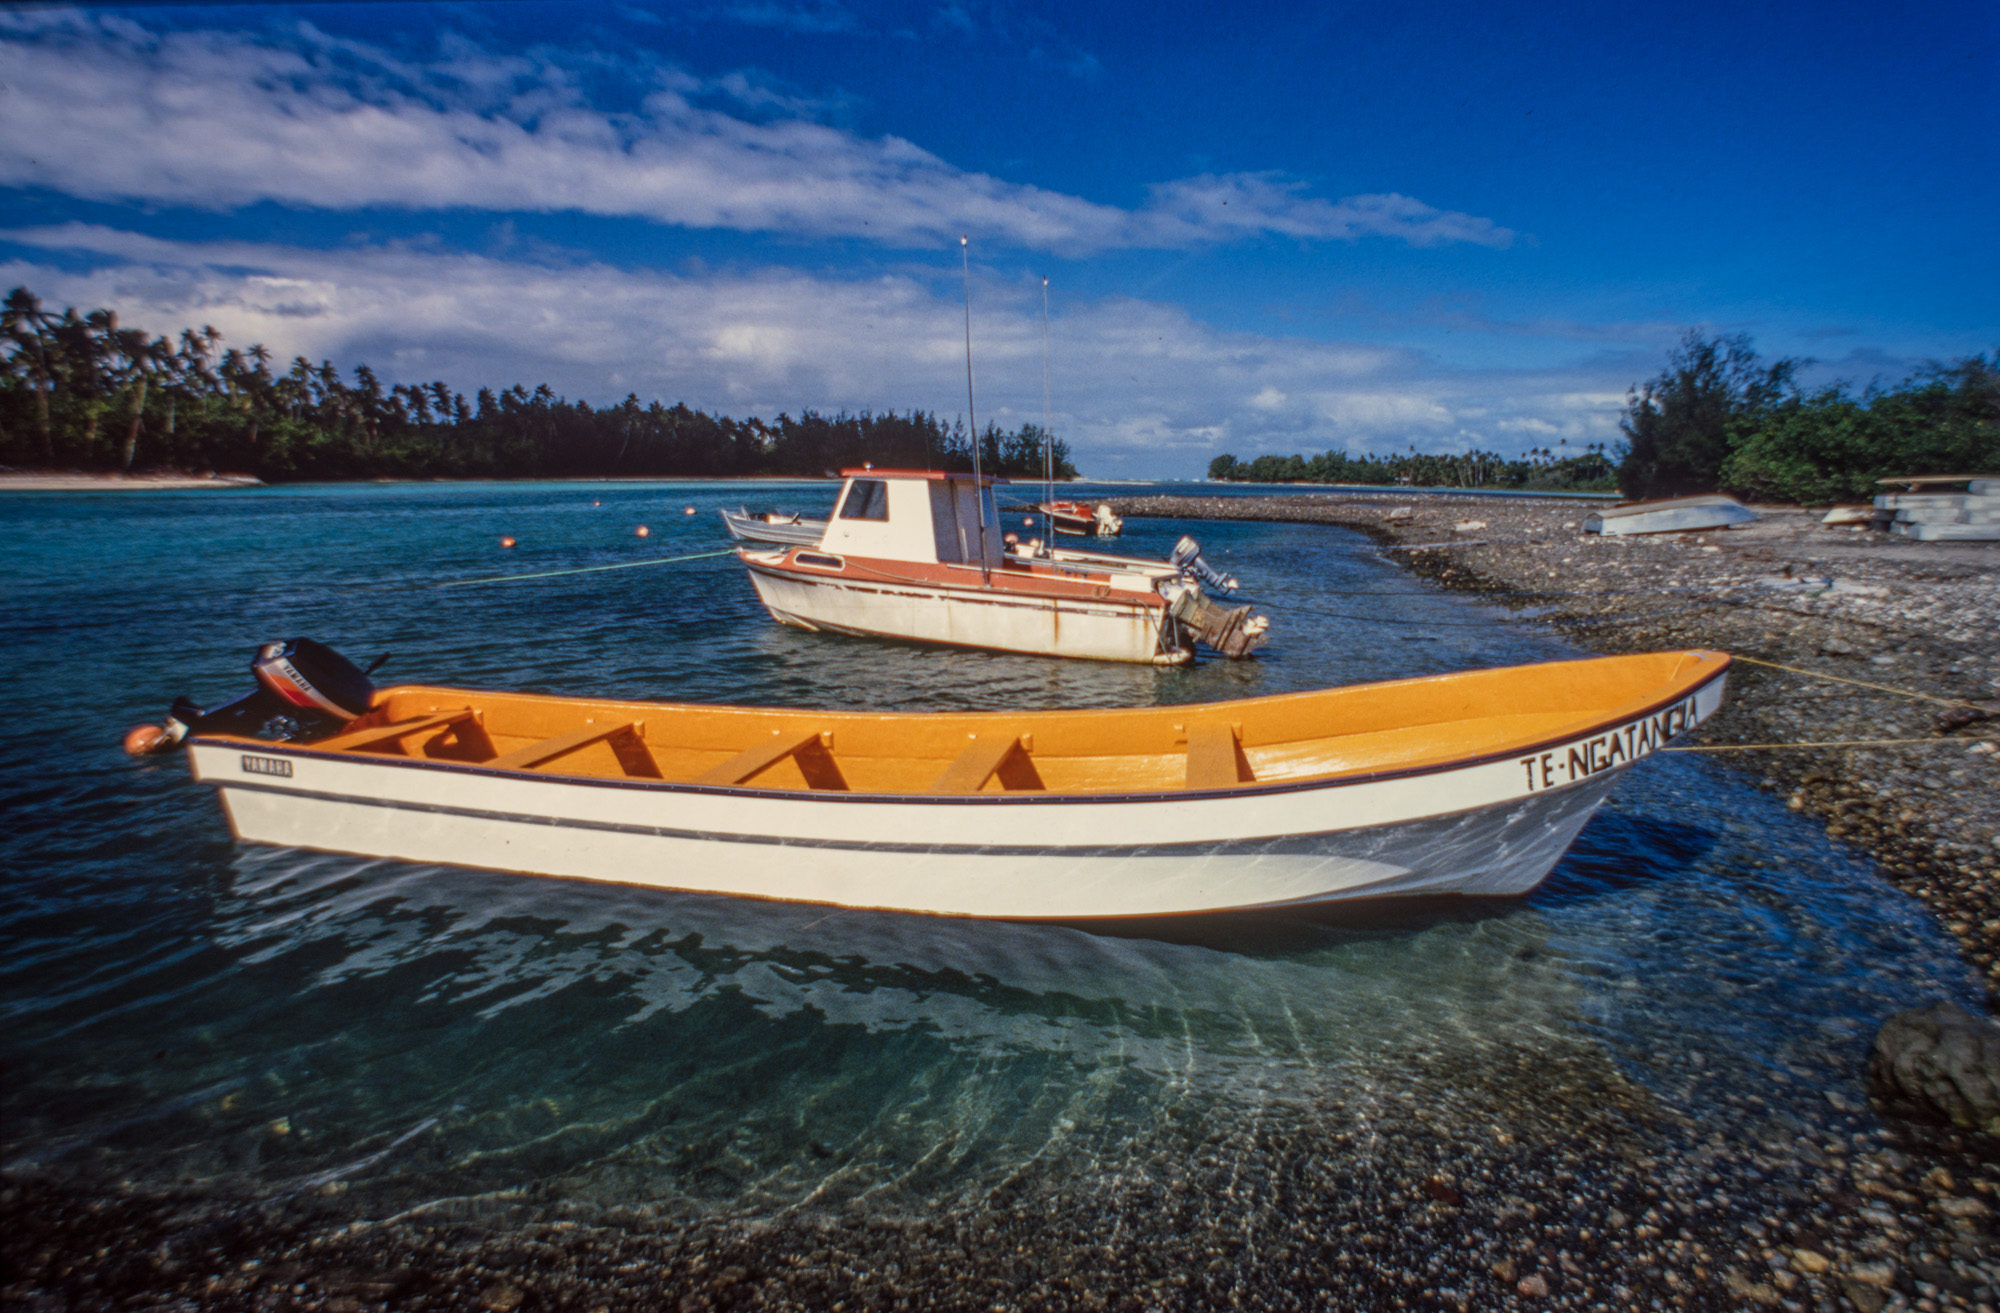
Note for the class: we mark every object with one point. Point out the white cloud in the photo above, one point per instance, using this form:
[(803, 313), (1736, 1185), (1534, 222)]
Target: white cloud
[(1246, 204), (104, 109), (1141, 388)]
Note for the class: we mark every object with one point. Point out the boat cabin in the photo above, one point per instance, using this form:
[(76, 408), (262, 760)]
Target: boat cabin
[(916, 515)]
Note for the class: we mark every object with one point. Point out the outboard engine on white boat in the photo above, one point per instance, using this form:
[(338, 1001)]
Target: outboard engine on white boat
[(1187, 558), (303, 688)]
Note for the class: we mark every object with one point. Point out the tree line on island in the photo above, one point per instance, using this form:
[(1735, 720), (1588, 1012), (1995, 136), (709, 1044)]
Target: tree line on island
[(1719, 418), (84, 391)]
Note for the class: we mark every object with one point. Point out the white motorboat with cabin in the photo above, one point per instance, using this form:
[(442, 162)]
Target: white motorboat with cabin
[(919, 556)]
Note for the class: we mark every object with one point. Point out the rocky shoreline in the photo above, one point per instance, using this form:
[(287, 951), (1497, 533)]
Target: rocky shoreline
[(1537, 1176)]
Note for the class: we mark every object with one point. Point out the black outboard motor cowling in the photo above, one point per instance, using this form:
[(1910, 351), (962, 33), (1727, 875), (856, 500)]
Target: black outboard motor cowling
[(313, 677), (304, 688)]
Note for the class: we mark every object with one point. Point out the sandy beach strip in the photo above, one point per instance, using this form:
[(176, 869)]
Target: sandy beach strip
[(84, 481)]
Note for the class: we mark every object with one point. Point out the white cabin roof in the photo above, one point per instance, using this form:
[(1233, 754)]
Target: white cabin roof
[(915, 515)]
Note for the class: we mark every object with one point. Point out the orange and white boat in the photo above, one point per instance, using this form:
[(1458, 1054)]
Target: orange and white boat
[(921, 557), (1455, 784), (1080, 520)]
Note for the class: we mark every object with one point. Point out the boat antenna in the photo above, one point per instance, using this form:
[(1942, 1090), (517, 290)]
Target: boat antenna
[(1048, 437), (978, 491)]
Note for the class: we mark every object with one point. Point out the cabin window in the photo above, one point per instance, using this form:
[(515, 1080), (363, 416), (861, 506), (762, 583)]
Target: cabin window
[(867, 499)]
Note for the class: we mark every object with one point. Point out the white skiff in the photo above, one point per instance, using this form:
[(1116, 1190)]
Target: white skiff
[(1464, 784)]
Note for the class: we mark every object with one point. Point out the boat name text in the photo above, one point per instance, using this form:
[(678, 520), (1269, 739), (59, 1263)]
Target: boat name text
[(1627, 743), (266, 766)]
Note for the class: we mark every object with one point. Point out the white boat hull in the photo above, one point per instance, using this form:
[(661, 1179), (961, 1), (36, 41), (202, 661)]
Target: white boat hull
[(1492, 827), (1677, 515), (1106, 630)]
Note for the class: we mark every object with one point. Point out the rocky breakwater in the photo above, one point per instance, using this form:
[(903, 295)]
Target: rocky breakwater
[(1882, 637)]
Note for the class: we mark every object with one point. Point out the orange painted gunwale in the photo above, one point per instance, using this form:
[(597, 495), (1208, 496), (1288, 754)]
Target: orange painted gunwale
[(1397, 728)]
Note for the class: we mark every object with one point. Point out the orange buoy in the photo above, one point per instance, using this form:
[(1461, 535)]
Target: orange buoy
[(597, 503), (143, 739), (687, 510), (506, 542), (1027, 521), (644, 531)]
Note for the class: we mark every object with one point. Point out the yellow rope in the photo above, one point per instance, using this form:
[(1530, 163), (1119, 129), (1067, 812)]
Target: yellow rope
[(1859, 683), (1833, 743), (588, 569)]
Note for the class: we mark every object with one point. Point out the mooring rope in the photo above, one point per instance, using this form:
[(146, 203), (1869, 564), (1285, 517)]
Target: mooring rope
[(1831, 743), (1859, 683), (588, 569)]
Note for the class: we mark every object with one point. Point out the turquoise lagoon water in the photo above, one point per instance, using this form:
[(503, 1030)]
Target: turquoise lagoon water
[(178, 1011)]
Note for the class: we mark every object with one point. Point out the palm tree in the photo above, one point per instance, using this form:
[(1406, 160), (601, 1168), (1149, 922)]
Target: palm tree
[(141, 355), (80, 356), (24, 320)]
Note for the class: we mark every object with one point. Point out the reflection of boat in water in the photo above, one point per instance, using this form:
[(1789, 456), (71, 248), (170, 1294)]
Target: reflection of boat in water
[(1670, 515), (788, 530), (1471, 783), (1073, 517), (920, 557)]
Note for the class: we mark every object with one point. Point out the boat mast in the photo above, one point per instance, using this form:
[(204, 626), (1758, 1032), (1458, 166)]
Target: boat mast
[(1048, 438), (978, 491)]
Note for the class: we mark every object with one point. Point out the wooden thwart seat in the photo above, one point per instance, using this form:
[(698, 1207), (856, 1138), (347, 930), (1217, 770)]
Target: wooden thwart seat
[(759, 756), (548, 750), (986, 754), (361, 739), (993, 753), (1214, 761)]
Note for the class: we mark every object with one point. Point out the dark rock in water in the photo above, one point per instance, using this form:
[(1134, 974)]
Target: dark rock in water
[(1940, 1062)]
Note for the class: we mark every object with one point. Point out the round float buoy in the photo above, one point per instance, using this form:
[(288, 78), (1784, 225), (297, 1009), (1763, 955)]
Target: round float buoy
[(1027, 521), (644, 531), (143, 739), (597, 503), (506, 542), (687, 510)]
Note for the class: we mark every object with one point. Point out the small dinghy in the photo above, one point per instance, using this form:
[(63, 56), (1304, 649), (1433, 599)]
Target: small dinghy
[(1077, 519), (1470, 783), (779, 528)]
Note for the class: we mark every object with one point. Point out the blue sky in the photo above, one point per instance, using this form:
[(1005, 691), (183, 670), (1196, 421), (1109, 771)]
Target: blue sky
[(1266, 228)]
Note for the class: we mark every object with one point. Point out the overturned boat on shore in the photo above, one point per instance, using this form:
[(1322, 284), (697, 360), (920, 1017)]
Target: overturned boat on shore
[(1670, 515), (1469, 783)]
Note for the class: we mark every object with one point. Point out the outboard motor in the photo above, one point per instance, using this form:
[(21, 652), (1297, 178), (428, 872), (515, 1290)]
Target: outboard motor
[(313, 677), (303, 687), (1187, 558)]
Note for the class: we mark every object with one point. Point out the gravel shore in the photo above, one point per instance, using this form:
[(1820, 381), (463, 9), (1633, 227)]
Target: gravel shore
[(1517, 1172)]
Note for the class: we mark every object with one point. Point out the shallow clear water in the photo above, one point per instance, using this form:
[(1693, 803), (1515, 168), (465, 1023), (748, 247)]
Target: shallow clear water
[(174, 1008)]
